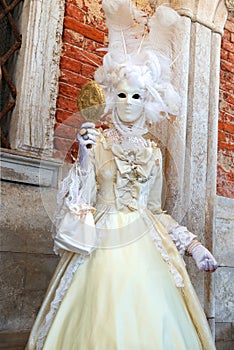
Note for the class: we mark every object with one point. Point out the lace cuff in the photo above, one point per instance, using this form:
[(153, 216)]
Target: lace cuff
[(181, 237)]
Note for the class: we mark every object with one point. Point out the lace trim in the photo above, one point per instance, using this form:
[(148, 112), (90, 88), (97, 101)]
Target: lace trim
[(59, 295), (158, 243), (127, 141), (181, 237)]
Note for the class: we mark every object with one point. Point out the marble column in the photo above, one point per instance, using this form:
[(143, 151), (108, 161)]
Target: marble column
[(192, 138), (36, 77)]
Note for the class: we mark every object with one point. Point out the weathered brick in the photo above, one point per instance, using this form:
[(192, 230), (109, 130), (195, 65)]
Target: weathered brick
[(68, 91), (221, 136), (225, 65), (66, 104), (223, 145), (232, 38), (226, 34), (72, 10), (72, 78), (70, 64), (88, 71), (228, 46), (226, 86), (228, 76), (224, 54), (65, 131), (92, 46), (68, 118), (63, 145), (81, 55), (71, 37), (87, 30), (231, 57)]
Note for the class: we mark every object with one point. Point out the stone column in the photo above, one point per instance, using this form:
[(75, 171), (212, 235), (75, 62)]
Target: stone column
[(36, 77), (197, 129)]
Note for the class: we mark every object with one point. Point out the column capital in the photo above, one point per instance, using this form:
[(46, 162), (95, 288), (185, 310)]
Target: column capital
[(212, 14)]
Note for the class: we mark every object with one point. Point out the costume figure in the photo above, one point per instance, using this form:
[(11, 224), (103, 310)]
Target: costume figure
[(121, 283)]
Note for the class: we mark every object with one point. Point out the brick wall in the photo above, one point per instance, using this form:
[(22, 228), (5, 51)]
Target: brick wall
[(84, 32), (225, 180)]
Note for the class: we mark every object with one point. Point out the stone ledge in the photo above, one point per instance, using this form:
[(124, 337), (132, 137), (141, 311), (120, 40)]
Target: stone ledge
[(27, 169), (13, 340)]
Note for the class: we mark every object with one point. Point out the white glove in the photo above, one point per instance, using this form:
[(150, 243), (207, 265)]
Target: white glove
[(87, 137), (204, 259)]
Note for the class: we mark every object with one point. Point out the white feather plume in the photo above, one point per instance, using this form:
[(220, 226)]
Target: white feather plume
[(142, 50)]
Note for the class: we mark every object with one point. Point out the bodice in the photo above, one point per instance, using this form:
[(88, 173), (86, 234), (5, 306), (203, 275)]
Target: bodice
[(124, 174)]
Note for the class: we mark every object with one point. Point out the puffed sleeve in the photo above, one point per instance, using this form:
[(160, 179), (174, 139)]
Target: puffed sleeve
[(180, 235), (74, 227)]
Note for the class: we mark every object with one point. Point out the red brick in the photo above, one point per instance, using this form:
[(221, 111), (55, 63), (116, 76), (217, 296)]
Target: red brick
[(231, 57), (81, 55), (225, 65), (227, 127), (66, 104), (228, 46), (88, 71), (92, 46), (230, 178), (224, 54), (226, 86), (228, 76), (72, 78), (226, 34), (226, 190), (229, 118), (71, 37), (70, 64), (65, 131), (86, 30), (68, 118), (63, 145), (221, 136), (72, 10), (68, 91), (226, 107), (232, 38), (223, 145), (230, 99)]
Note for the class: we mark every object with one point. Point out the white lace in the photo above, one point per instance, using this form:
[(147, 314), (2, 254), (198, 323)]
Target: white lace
[(158, 243), (59, 295), (181, 237), (127, 141), (75, 192)]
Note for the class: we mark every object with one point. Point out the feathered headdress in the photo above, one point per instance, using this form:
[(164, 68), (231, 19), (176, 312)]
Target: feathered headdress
[(141, 50)]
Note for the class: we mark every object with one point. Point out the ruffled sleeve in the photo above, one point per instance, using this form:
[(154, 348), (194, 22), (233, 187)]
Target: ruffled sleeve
[(180, 235), (74, 227)]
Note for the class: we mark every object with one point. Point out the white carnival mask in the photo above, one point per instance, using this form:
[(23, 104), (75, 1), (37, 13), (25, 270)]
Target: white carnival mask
[(129, 102)]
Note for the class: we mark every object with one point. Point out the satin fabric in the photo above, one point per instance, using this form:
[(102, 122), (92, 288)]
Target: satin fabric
[(125, 295)]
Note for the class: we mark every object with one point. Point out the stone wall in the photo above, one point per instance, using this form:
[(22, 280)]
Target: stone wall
[(27, 261), (225, 176), (224, 276)]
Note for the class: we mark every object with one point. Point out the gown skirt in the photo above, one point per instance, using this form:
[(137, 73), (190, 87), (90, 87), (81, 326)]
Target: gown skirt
[(133, 292), (123, 298)]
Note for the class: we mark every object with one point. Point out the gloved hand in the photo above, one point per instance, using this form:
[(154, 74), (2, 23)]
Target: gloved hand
[(87, 137), (204, 259)]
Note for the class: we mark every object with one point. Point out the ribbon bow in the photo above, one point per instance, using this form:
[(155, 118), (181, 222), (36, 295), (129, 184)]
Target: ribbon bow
[(134, 167), (133, 164)]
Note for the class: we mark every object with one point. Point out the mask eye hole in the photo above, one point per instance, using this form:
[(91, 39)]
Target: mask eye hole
[(122, 95), (136, 96)]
